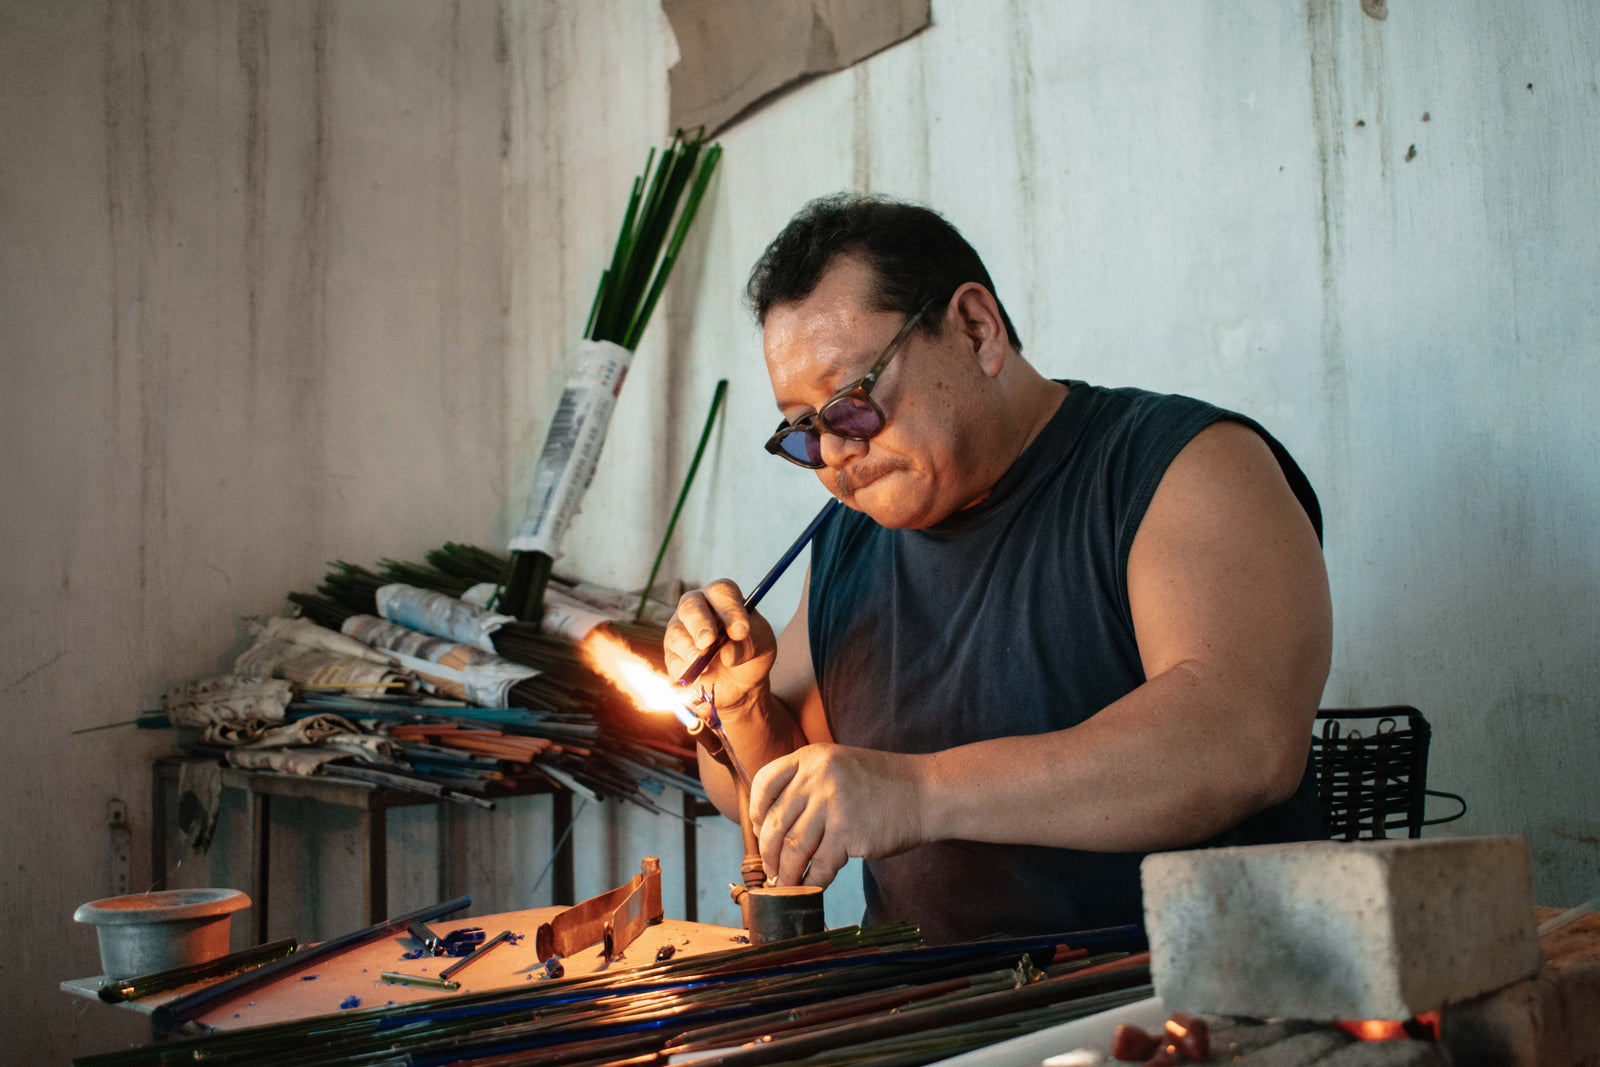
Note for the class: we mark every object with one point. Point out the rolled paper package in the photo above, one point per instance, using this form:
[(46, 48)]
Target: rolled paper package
[(440, 615), (455, 669), (572, 446)]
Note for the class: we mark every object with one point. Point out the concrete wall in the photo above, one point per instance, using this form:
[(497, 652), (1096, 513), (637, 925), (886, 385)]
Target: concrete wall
[(1379, 238), (281, 283), (252, 282)]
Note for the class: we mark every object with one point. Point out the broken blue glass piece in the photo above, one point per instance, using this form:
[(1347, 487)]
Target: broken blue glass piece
[(462, 942)]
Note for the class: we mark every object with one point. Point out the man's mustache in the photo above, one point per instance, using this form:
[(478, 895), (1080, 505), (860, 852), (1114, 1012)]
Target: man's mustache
[(854, 476)]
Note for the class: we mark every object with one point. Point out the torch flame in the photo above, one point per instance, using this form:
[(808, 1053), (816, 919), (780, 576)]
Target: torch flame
[(633, 675)]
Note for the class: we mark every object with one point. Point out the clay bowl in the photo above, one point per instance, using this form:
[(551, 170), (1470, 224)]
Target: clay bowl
[(147, 932)]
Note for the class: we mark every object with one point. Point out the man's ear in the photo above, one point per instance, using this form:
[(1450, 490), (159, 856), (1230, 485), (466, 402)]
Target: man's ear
[(977, 316)]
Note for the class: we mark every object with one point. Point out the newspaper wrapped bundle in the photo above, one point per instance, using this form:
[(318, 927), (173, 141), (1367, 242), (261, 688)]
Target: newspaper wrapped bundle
[(300, 747), (564, 615), (564, 722), (574, 609), (313, 656), (227, 698), (448, 667), (440, 615)]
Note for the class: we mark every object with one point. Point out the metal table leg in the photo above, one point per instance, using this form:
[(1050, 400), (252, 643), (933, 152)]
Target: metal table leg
[(375, 829), (691, 860), (261, 858), (158, 828), (562, 886)]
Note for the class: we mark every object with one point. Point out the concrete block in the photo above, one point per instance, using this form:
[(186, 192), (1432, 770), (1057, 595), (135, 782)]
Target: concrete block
[(1333, 930), (1552, 1020)]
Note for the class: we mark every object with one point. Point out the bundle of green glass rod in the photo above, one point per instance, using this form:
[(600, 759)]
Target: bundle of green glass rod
[(651, 237), (850, 996)]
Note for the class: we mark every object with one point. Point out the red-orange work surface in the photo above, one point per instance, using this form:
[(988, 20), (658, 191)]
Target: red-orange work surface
[(326, 987)]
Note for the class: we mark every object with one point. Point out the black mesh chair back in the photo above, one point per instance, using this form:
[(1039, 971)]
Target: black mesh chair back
[(1372, 772)]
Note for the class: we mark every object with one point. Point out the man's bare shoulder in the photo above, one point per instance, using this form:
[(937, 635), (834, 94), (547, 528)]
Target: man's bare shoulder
[(1227, 472), (1226, 571)]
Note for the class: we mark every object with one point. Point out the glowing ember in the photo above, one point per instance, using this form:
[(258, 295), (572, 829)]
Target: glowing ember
[(634, 676), (1424, 1026)]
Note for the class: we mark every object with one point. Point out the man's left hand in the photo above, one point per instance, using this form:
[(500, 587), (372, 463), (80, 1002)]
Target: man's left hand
[(824, 804)]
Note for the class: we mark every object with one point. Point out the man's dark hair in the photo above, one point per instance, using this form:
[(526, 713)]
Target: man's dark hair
[(915, 255)]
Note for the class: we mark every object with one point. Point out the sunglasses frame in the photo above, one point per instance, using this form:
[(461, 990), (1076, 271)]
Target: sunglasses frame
[(862, 386)]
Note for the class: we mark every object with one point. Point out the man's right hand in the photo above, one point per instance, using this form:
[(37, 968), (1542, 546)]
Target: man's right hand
[(737, 675)]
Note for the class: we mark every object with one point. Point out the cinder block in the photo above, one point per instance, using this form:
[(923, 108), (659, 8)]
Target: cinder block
[(1332, 930), (1552, 1020)]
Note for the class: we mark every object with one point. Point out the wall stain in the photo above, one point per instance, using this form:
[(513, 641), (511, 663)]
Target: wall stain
[(112, 95), (1022, 93), (502, 62), (254, 63), (554, 46), (1374, 75), (861, 131), (1322, 34), (925, 147), (25, 675), (453, 390), (155, 59), (309, 349)]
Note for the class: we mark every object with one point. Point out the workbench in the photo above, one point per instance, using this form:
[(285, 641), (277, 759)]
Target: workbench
[(373, 803), (326, 987)]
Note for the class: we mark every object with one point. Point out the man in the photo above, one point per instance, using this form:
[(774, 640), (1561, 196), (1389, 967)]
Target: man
[(1061, 626)]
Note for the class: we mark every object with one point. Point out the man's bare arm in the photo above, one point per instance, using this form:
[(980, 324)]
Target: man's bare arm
[(1231, 611)]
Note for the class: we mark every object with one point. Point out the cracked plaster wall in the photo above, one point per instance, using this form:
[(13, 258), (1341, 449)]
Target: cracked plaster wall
[(288, 282)]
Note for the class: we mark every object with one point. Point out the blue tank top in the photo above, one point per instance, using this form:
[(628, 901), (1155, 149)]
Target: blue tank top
[(1007, 619)]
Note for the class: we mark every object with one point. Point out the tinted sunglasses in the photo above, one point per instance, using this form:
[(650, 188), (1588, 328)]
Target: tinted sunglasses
[(850, 413)]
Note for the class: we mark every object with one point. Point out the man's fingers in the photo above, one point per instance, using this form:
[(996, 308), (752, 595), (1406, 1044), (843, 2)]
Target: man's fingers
[(768, 783), (827, 860), (736, 652), (678, 641), (773, 832), (726, 600), (698, 620), (798, 845), (773, 809), (705, 614)]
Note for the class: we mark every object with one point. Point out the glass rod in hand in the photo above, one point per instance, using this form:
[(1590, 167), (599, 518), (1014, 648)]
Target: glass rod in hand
[(697, 668)]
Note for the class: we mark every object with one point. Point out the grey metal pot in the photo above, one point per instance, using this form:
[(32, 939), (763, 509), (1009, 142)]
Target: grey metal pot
[(146, 932)]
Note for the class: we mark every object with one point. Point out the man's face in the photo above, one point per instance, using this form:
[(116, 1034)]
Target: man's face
[(913, 472)]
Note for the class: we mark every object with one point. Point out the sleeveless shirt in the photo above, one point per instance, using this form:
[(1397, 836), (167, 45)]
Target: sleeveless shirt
[(1012, 618)]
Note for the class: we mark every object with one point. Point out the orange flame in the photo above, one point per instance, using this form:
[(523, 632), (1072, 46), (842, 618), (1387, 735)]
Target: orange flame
[(633, 675)]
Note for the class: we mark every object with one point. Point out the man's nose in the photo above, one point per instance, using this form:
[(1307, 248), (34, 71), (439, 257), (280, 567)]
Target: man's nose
[(837, 451)]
